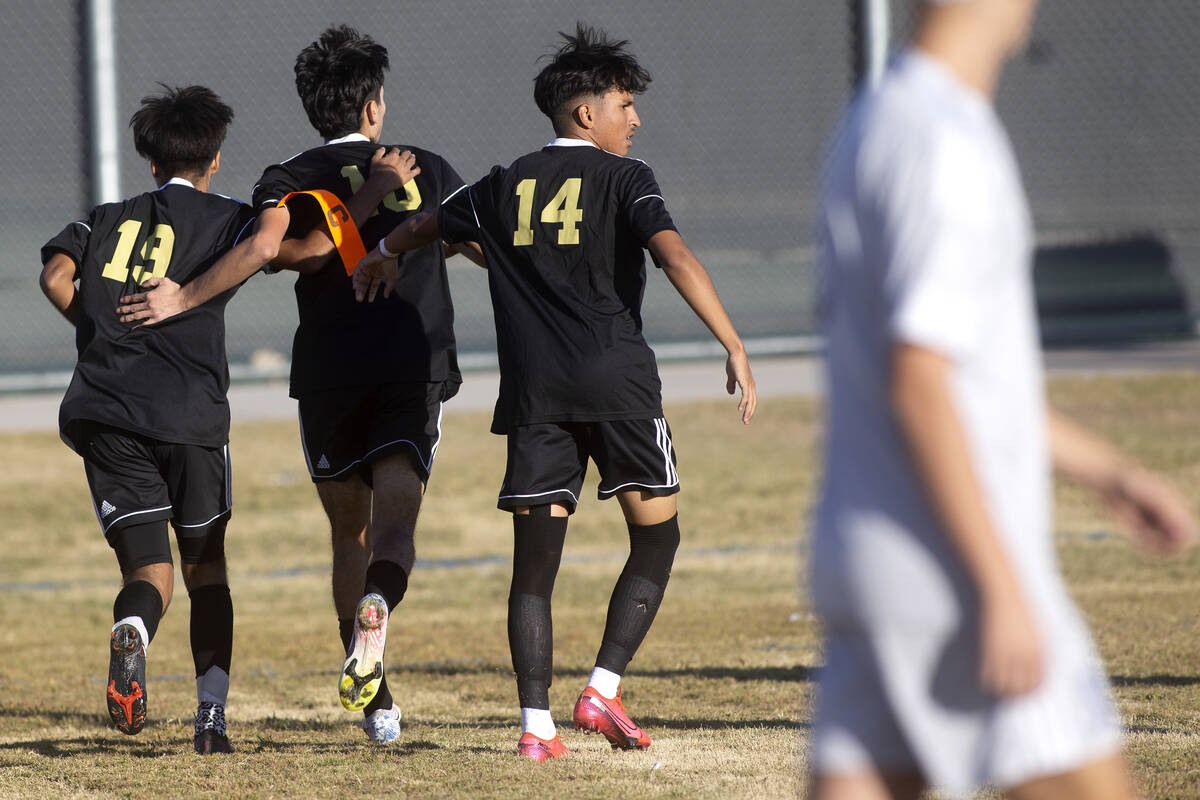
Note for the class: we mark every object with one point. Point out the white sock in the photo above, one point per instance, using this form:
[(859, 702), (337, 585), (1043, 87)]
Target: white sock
[(538, 722), (213, 686), (605, 682), (137, 623)]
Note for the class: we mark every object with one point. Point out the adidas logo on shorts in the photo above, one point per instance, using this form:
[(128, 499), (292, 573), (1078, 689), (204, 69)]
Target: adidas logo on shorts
[(106, 508), (323, 462)]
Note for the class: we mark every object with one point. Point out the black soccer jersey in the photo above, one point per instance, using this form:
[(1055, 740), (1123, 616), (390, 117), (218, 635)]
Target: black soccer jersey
[(169, 380), (408, 336), (564, 231)]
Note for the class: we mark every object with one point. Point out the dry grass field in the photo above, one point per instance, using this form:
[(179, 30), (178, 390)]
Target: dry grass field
[(722, 684)]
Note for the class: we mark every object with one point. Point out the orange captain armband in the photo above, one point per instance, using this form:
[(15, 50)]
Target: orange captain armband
[(340, 225)]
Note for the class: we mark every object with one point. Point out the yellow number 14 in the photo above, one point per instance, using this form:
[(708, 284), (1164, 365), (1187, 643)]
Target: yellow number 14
[(562, 210)]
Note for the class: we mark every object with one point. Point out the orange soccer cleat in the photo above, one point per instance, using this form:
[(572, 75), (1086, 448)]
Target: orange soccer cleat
[(539, 749), (597, 714)]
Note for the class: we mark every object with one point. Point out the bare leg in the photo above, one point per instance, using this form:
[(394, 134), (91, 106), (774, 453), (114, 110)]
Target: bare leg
[(866, 786), (395, 504), (640, 508), (1106, 779), (161, 576), (348, 506)]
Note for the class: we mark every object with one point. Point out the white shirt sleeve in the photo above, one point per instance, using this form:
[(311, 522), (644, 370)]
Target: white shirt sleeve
[(938, 255)]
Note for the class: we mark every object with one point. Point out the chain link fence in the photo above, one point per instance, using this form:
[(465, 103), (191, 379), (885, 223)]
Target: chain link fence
[(735, 123)]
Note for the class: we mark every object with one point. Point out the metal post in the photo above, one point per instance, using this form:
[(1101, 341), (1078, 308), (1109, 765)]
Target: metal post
[(872, 29), (104, 132)]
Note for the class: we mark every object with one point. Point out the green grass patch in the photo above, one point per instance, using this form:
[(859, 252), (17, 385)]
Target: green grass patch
[(722, 684)]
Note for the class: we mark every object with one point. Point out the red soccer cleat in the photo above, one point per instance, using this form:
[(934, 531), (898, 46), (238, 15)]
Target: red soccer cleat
[(539, 749), (597, 714)]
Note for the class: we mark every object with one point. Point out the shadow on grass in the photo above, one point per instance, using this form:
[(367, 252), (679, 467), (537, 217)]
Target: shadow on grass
[(1155, 680), (90, 745), (796, 674), (651, 723)]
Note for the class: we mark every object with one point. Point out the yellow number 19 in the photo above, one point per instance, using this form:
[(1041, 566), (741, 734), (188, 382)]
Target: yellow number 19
[(158, 259)]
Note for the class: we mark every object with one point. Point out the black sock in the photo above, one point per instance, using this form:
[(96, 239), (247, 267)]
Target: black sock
[(537, 550), (383, 698), (139, 599), (387, 579), (638, 593), (211, 627)]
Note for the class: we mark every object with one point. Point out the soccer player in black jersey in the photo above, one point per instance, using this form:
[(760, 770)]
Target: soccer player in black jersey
[(146, 407), (563, 232), (370, 380)]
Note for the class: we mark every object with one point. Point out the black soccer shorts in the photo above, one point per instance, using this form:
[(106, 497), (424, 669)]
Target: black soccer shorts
[(343, 430), (136, 479), (547, 461)]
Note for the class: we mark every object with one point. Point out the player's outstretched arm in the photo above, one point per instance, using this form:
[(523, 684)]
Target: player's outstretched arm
[(389, 170), (1151, 509), (58, 284), (162, 297), (693, 283), (377, 269), (471, 250), (1011, 649)]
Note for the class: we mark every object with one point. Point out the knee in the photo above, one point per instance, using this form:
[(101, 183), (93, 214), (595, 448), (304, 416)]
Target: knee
[(537, 550), (159, 575), (208, 573), (652, 550)]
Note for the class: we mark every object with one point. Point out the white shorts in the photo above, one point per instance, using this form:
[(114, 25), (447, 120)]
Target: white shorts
[(893, 701)]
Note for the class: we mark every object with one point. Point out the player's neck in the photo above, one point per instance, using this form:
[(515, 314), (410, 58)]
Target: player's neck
[(971, 56), (199, 182)]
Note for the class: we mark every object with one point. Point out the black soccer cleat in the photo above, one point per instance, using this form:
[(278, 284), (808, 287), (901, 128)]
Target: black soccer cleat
[(127, 680), (210, 735)]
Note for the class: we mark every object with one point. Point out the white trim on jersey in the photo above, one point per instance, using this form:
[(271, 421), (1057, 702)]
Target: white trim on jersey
[(350, 137), (410, 443), (228, 494), (84, 224), (568, 492), (206, 522), (177, 182), (456, 191), (127, 516), (474, 213), (664, 442), (562, 141), (238, 238), (426, 463), (647, 197)]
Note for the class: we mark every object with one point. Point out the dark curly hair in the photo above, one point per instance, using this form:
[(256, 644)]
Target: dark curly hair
[(336, 76), (587, 64), (182, 129)]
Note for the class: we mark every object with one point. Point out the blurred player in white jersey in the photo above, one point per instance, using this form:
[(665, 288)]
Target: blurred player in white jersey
[(955, 657)]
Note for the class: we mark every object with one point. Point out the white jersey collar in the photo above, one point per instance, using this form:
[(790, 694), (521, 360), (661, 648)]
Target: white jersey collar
[(178, 182), (353, 137), (565, 142)]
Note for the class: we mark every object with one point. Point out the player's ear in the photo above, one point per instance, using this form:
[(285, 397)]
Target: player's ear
[(373, 112), (215, 165), (154, 170), (584, 116)]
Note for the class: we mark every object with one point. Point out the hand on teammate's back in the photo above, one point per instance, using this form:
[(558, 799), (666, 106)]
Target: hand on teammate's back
[(158, 299), (373, 272), (393, 166)]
